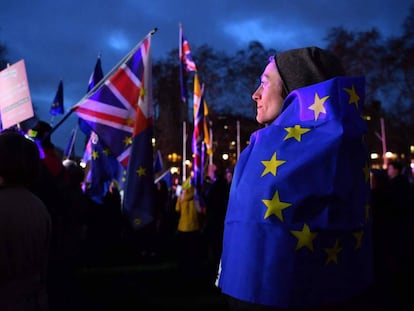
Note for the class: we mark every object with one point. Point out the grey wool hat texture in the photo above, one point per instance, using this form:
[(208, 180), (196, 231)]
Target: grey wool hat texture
[(306, 66)]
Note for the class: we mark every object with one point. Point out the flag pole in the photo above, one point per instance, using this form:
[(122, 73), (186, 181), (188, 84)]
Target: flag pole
[(98, 85), (184, 150)]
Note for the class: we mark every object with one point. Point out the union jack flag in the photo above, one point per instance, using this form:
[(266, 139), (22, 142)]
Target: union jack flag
[(111, 111), (120, 111), (186, 63)]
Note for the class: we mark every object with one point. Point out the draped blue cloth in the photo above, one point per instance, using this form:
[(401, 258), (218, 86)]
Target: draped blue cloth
[(297, 229)]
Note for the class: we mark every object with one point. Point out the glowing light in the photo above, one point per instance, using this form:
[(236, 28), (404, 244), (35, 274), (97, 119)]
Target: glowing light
[(374, 156), (225, 156), (389, 154)]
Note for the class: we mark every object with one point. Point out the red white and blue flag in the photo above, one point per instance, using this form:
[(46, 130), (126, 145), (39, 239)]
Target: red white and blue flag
[(198, 133), (187, 63), (120, 111)]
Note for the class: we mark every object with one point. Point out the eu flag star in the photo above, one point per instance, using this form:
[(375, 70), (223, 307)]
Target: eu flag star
[(295, 132), (333, 253), (358, 236), (141, 171), (353, 96), (318, 106), (128, 140), (142, 92), (271, 165), (305, 237), (275, 207), (95, 155)]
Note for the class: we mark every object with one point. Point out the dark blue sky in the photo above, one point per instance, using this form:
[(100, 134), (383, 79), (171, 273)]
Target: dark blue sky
[(61, 39)]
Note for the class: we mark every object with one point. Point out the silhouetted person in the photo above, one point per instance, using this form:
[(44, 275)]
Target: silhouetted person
[(400, 235), (25, 228), (216, 198)]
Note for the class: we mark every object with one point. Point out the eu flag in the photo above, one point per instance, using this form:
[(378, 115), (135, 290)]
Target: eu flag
[(103, 170), (298, 224), (57, 104)]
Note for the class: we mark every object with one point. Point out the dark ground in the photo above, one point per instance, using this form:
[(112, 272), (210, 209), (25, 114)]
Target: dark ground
[(125, 280)]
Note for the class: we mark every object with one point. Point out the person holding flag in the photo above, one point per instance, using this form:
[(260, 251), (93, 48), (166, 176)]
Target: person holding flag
[(297, 230)]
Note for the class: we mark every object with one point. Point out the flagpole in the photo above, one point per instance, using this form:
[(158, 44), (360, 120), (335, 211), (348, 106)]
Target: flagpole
[(72, 143), (184, 150), (103, 80)]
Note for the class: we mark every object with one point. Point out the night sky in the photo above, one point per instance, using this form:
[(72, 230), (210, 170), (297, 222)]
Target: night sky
[(61, 39)]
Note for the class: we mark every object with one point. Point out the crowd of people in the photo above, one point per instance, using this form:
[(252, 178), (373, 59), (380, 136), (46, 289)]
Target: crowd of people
[(290, 230), (50, 228)]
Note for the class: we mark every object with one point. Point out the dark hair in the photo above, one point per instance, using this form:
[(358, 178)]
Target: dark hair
[(41, 132), (19, 159), (396, 165)]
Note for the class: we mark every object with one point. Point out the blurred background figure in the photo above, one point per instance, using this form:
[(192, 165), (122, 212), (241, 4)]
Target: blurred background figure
[(25, 228)]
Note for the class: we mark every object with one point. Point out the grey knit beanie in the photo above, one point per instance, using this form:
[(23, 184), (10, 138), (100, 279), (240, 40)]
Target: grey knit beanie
[(306, 66)]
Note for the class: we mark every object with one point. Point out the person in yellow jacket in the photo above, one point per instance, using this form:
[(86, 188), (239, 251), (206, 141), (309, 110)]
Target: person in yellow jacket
[(188, 231)]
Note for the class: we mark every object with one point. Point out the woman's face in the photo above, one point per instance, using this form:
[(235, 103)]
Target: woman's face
[(268, 95)]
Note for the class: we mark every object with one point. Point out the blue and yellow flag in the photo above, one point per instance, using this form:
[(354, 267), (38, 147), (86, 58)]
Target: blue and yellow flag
[(57, 104), (297, 230)]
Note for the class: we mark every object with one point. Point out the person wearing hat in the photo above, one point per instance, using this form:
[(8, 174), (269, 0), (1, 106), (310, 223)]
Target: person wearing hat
[(297, 230)]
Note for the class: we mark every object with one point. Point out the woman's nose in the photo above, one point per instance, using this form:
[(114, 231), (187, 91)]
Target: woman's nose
[(256, 94)]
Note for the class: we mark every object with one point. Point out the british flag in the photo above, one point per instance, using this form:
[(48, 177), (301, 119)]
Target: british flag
[(120, 108), (120, 111), (187, 63)]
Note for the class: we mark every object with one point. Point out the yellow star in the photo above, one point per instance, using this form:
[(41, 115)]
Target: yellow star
[(333, 253), (295, 132), (275, 207), (318, 106), (366, 171), (127, 140), (305, 237), (106, 152), (142, 92), (95, 155), (137, 221), (358, 236), (353, 96), (141, 171), (271, 165)]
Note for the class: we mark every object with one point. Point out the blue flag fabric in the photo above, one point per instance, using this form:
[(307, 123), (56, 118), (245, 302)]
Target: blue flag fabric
[(57, 104), (158, 163), (104, 169), (298, 225)]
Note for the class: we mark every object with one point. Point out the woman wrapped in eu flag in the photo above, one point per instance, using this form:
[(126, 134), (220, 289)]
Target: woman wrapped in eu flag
[(297, 230)]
